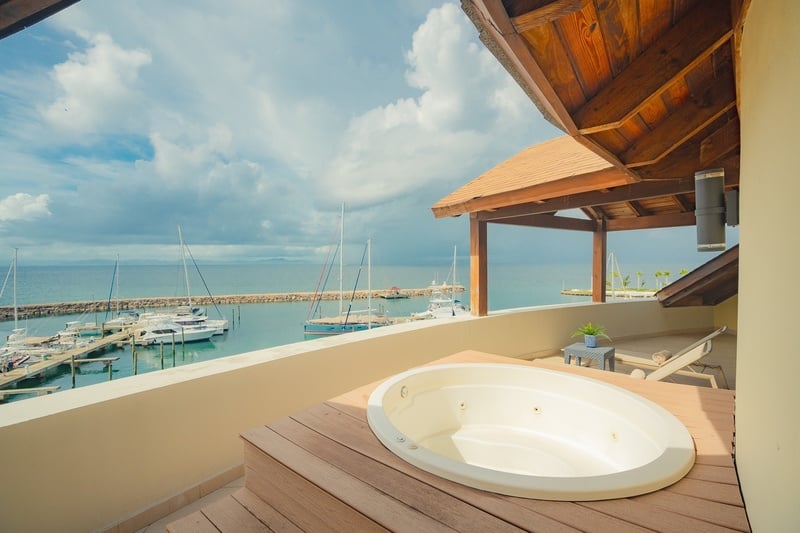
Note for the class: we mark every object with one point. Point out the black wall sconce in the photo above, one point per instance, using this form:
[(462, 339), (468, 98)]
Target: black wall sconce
[(710, 212)]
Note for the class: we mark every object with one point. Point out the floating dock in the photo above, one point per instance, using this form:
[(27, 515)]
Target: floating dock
[(79, 354)]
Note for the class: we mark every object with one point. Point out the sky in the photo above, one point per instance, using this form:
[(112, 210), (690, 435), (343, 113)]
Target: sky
[(249, 124)]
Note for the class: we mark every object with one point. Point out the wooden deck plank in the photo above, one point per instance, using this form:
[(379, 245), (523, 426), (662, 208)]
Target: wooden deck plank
[(227, 514), (716, 492), (374, 504), (524, 513), (302, 502), (193, 523), (425, 498), (645, 515), (721, 514), (265, 512)]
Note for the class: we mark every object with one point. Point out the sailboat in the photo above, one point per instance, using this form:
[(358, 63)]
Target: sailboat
[(19, 348), (348, 320), (192, 319), (440, 304)]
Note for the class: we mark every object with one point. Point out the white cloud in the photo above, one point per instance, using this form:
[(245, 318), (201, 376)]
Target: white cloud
[(23, 206), (466, 100), (96, 88)]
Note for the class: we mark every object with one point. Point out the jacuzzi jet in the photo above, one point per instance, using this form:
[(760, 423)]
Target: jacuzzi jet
[(496, 445)]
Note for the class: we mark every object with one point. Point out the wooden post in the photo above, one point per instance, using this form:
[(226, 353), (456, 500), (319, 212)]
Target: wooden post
[(109, 370), (478, 267), (162, 355), (72, 366), (599, 245)]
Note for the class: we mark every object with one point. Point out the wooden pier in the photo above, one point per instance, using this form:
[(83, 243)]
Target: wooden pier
[(78, 355)]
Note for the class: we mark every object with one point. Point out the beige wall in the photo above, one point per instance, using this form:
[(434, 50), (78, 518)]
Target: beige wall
[(727, 314), (768, 395), (94, 456)]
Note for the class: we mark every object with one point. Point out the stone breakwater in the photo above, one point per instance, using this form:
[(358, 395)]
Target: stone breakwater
[(137, 304)]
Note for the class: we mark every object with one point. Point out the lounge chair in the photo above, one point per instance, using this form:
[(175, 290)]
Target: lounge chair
[(684, 363)]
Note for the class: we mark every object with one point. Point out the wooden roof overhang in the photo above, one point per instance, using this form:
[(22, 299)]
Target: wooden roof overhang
[(16, 15), (648, 87)]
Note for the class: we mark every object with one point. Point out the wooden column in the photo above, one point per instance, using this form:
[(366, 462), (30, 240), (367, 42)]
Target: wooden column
[(478, 267), (599, 245)]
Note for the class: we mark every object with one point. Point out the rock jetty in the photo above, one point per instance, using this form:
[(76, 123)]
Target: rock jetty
[(99, 306)]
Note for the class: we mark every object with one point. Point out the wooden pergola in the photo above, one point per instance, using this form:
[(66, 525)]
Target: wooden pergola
[(647, 95)]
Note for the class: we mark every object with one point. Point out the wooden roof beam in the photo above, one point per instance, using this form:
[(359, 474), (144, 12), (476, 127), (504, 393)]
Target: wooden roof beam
[(550, 221), (637, 208), (540, 12), (720, 143), (501, 38), (624, 193), (695, 37), (682, 203), (696, 114), (651, 222), (591, 181)]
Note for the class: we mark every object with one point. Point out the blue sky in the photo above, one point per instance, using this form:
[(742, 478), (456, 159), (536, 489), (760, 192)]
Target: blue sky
[(249, 123)]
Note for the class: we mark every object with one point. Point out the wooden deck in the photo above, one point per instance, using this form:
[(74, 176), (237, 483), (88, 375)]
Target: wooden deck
[(323, 470)]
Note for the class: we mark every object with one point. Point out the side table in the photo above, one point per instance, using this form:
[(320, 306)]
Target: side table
[(601, 354)]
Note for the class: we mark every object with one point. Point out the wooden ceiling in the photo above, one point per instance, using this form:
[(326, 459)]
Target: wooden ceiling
[(648, 85), (16, 15)]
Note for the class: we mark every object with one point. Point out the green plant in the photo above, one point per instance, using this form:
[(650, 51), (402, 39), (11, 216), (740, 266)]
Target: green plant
[(591, 329)]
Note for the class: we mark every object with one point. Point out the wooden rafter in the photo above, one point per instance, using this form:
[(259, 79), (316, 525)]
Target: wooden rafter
[(693, 39), (651, 222), (543, 12), (551, 221), (691, 118), (682, 203), (720, 143), (624, 193), (586, 182)]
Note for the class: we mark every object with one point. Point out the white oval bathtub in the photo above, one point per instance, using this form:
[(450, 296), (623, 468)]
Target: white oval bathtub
[(530, 432)]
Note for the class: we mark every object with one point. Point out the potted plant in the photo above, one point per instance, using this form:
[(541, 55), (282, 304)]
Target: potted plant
[(590, 334)]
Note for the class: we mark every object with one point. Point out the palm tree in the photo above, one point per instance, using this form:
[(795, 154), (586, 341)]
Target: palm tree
[(658, 275), (639, 279), (666, 277), (683, 272)]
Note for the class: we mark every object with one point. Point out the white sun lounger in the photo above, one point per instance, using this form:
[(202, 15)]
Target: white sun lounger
[(687, 362)]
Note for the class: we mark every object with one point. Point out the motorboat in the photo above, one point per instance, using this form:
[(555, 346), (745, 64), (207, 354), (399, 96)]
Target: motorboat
[(169, 332)]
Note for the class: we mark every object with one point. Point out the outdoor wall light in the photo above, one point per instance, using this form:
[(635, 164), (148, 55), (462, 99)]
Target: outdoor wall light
[(709, 189)]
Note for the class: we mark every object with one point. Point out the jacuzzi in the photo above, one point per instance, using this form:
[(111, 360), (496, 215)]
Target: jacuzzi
[(530, 432)]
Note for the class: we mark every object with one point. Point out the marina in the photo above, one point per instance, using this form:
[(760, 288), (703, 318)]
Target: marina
[(74, 356)]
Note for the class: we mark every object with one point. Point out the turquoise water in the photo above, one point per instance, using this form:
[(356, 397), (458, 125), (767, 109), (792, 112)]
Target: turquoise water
[(257, 326)]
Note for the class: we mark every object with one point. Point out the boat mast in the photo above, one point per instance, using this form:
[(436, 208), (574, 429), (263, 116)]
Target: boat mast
[(369, 283), (185, 270), (341, 262), (15, 288), (453, 288)]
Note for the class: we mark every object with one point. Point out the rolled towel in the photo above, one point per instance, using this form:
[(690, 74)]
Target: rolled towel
[(662, 356), (638, 373)]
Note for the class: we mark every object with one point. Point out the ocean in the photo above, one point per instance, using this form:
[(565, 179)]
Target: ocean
[(257, 326)]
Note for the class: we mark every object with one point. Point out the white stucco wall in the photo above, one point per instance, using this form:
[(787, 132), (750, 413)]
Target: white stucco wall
[(767, 374), (88, 458)]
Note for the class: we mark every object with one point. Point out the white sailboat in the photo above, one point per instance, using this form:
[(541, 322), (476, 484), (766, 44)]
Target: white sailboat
[(347, 320), (442, 305)]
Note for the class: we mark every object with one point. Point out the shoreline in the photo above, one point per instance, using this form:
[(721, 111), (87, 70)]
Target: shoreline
[(124, 304)]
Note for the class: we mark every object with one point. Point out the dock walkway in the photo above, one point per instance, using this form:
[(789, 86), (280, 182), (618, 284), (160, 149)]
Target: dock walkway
[(51, 361)]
